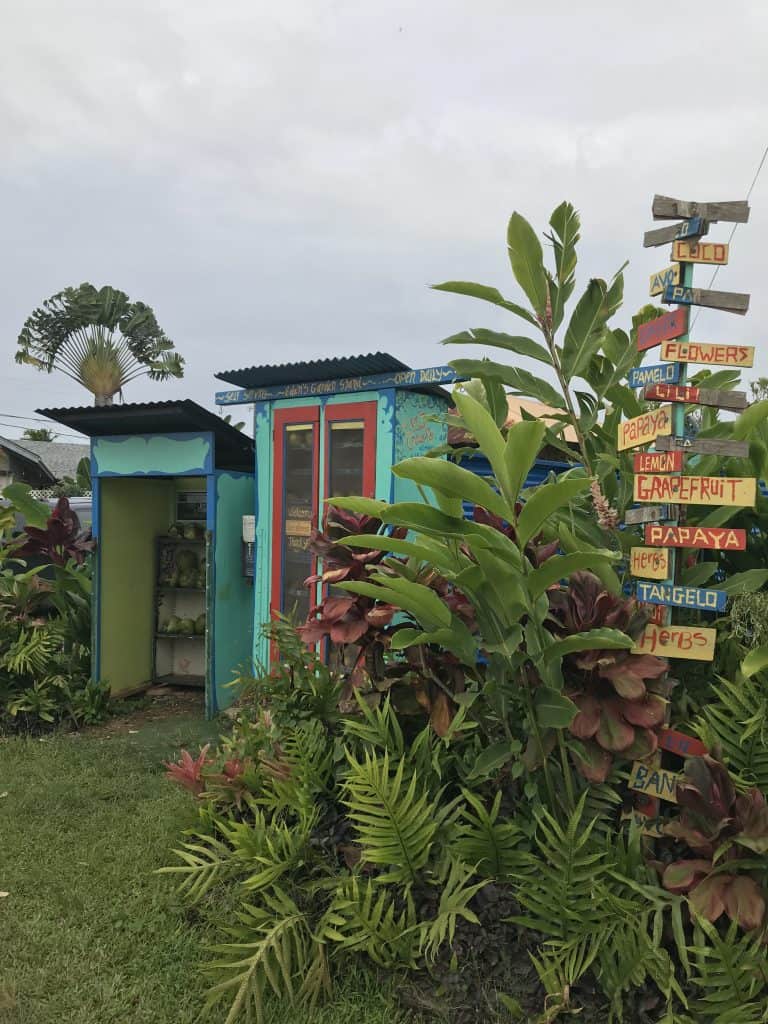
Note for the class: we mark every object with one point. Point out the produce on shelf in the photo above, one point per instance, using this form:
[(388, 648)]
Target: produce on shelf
[(200, 625)]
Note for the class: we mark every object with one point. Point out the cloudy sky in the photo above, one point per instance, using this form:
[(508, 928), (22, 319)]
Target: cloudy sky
[(282, 181)]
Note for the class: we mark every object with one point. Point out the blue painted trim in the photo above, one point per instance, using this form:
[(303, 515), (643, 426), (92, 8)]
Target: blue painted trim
[(204, 470), (211, 702), (347, 385), (96, 589)]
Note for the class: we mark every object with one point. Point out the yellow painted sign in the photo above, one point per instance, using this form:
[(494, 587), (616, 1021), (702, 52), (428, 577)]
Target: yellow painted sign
[(695, 490), (700, 252), (660, 280), (701, 352), (692, 643), (654, 781), (646, 428), (650, 563), (649, 826)]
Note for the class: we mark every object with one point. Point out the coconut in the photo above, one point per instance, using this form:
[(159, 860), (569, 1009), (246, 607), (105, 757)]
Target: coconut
[(186, 627), (200, 624), (172, 625)]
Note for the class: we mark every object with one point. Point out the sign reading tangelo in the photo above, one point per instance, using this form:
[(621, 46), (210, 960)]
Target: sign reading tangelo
[(695, 490)]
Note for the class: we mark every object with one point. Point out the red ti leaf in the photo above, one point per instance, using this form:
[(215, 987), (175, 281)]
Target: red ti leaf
[(586, 722), (708, 897), (646, 713), (745, 902), (683, 875), (613, 733), (592, 762)]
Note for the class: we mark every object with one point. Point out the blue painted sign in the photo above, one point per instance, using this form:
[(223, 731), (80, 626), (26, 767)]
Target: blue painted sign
[(344, 386), (694, 226), (662, 373), (681, 597)]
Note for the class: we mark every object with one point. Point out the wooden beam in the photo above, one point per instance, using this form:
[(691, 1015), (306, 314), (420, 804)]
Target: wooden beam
[(650, 514), (661, 373), (712, 355), (734, 212), (715, 397), (729, 302), (703, 446), (693, 228), (700, 252), (662, 328)]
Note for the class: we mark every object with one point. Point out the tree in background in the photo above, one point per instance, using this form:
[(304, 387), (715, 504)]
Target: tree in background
[(38, 434), (100, 339)]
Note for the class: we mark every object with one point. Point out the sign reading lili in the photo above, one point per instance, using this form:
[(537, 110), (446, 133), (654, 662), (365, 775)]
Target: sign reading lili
[(646, 428), (700, 252), (692, 643), (696, 396), (695, 490), (651, 563), (680, 743), (714, 355)]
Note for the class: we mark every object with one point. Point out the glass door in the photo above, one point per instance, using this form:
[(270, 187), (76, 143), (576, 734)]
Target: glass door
[(350, 449)]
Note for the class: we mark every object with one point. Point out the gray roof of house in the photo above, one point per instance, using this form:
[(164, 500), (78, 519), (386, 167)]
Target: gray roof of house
[(59, 458)]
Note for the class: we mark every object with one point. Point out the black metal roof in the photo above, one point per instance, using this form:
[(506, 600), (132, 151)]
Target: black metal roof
[(313, 370), (233, 448)]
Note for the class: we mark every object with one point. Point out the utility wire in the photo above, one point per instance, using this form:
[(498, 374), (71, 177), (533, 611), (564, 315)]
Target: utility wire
[(733, 230)]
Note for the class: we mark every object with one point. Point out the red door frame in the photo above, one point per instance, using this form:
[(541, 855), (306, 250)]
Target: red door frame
[(367, 412), (309, 415)]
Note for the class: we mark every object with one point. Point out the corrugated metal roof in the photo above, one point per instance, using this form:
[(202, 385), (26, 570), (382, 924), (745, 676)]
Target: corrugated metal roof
[(234, 449), (312, 370)]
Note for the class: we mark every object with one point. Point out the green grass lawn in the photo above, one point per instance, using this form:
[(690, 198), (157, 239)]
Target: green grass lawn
[(88, 934)]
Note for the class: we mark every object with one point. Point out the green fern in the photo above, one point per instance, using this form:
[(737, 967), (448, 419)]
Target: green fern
[(731, 974), (31, 652), (366, 918), (455, 894), (378, 730), (735, 718), (302, 770), (483, 840), (559, 966), (207, 862)]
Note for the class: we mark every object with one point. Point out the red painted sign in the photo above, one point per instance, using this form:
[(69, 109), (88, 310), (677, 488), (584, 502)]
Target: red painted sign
[(713, 538), (657, 614), (671, 393), (681, 744), (658, 462), (663, 328)]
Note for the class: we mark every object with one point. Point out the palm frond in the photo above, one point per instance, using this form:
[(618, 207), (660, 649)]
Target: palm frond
[(378, 730)]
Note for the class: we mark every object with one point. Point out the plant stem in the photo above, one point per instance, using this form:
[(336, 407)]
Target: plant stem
[(566, 771), (548, 337)]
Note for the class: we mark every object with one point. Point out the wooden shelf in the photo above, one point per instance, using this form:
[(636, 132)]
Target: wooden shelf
[(198, 682), (180, 636), (180, 590), (180, 540)]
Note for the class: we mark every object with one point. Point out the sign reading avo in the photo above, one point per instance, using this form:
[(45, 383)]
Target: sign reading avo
[(710, 538), (646, 428), (713, 355), (692, 643), (663, 328), (682, 597), (660, 280), (695, 490)]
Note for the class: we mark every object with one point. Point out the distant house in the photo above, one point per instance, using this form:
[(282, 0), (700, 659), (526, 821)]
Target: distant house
[(41, 464)]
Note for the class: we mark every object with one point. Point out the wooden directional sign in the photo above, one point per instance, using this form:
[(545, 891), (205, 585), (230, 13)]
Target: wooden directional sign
[(695, 490), (703, 446), (660, 280), (695, 227), (663, 328), (699, 252), (680, 743), (653, 514), (657, 462), (662, 373), (682, 597), (708, 538), (650, 563), (654, 781), (651, 825), (646, 428), (665, 208), (729, 302), (657, 614), (696, 396), (691, 643), (713, 355)]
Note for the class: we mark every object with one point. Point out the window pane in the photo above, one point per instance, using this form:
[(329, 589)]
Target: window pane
[(345, 459), (297, 518)]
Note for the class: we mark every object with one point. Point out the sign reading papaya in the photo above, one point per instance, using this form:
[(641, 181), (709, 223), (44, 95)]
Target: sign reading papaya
[(682, 597), (646, 428), (692, 643), (657, 462), (651, 563), (662, 373), (695, 490), (660, 280), (654, 781), (696, 396), (663, 328), (700, 252), (710, 538), (712, 355)]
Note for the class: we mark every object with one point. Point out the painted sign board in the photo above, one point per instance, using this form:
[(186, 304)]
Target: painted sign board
[(703, 446), (662, 373), (654, 781), (680, 743), (734, 212), (650, 563), (646, 428), (662, 278), (651, 514), (696, 396), (699, 252), (694, 227), (706, 538), (691, 643), (657, 462), (728, 302), (695, 490), (682, 597), (663, 328), (657, 614), (712, 355)]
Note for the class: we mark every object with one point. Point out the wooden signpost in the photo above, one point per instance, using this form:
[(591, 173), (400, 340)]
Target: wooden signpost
[(660, 280), (703, 446), (680, 743), (682, 597), (665, 208), (654, 781), (729, 302), (706, 538), (694, 227), (650, 563), (695, 490), (652, 514), (736, 400), (663, 328), (662, 373), (692, 643), (713, 355), (657, 462), (646, 428), (700, 252)]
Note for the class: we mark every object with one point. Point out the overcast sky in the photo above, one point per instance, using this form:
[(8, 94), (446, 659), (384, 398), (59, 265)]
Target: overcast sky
[(282, 181)]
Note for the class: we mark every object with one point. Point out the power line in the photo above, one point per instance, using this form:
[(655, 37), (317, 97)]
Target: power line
[(33, 419), (15, 426), (733, 230)]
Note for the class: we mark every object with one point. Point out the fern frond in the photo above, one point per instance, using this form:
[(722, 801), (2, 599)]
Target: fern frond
[(366, 918), (735, 718), (485, 841), (301, 771), (455, 894), (378, 730), (559, 966), (731, 974), (206, 862)]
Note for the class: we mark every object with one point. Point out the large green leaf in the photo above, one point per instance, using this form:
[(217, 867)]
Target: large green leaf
[(546, 500), (750, 419), (495, 339), (593, 640), (422, 550), (523, 382), (492, 758), (756, 661), (561, 566), (453, 481), (527, 261), (719, 516), (744, 582), (422, 602), (417, 516), (487, 294), (582, 339), (565, 226), (360, 506), (483, 428), (34, 512), (524, 441), (553, 709)]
